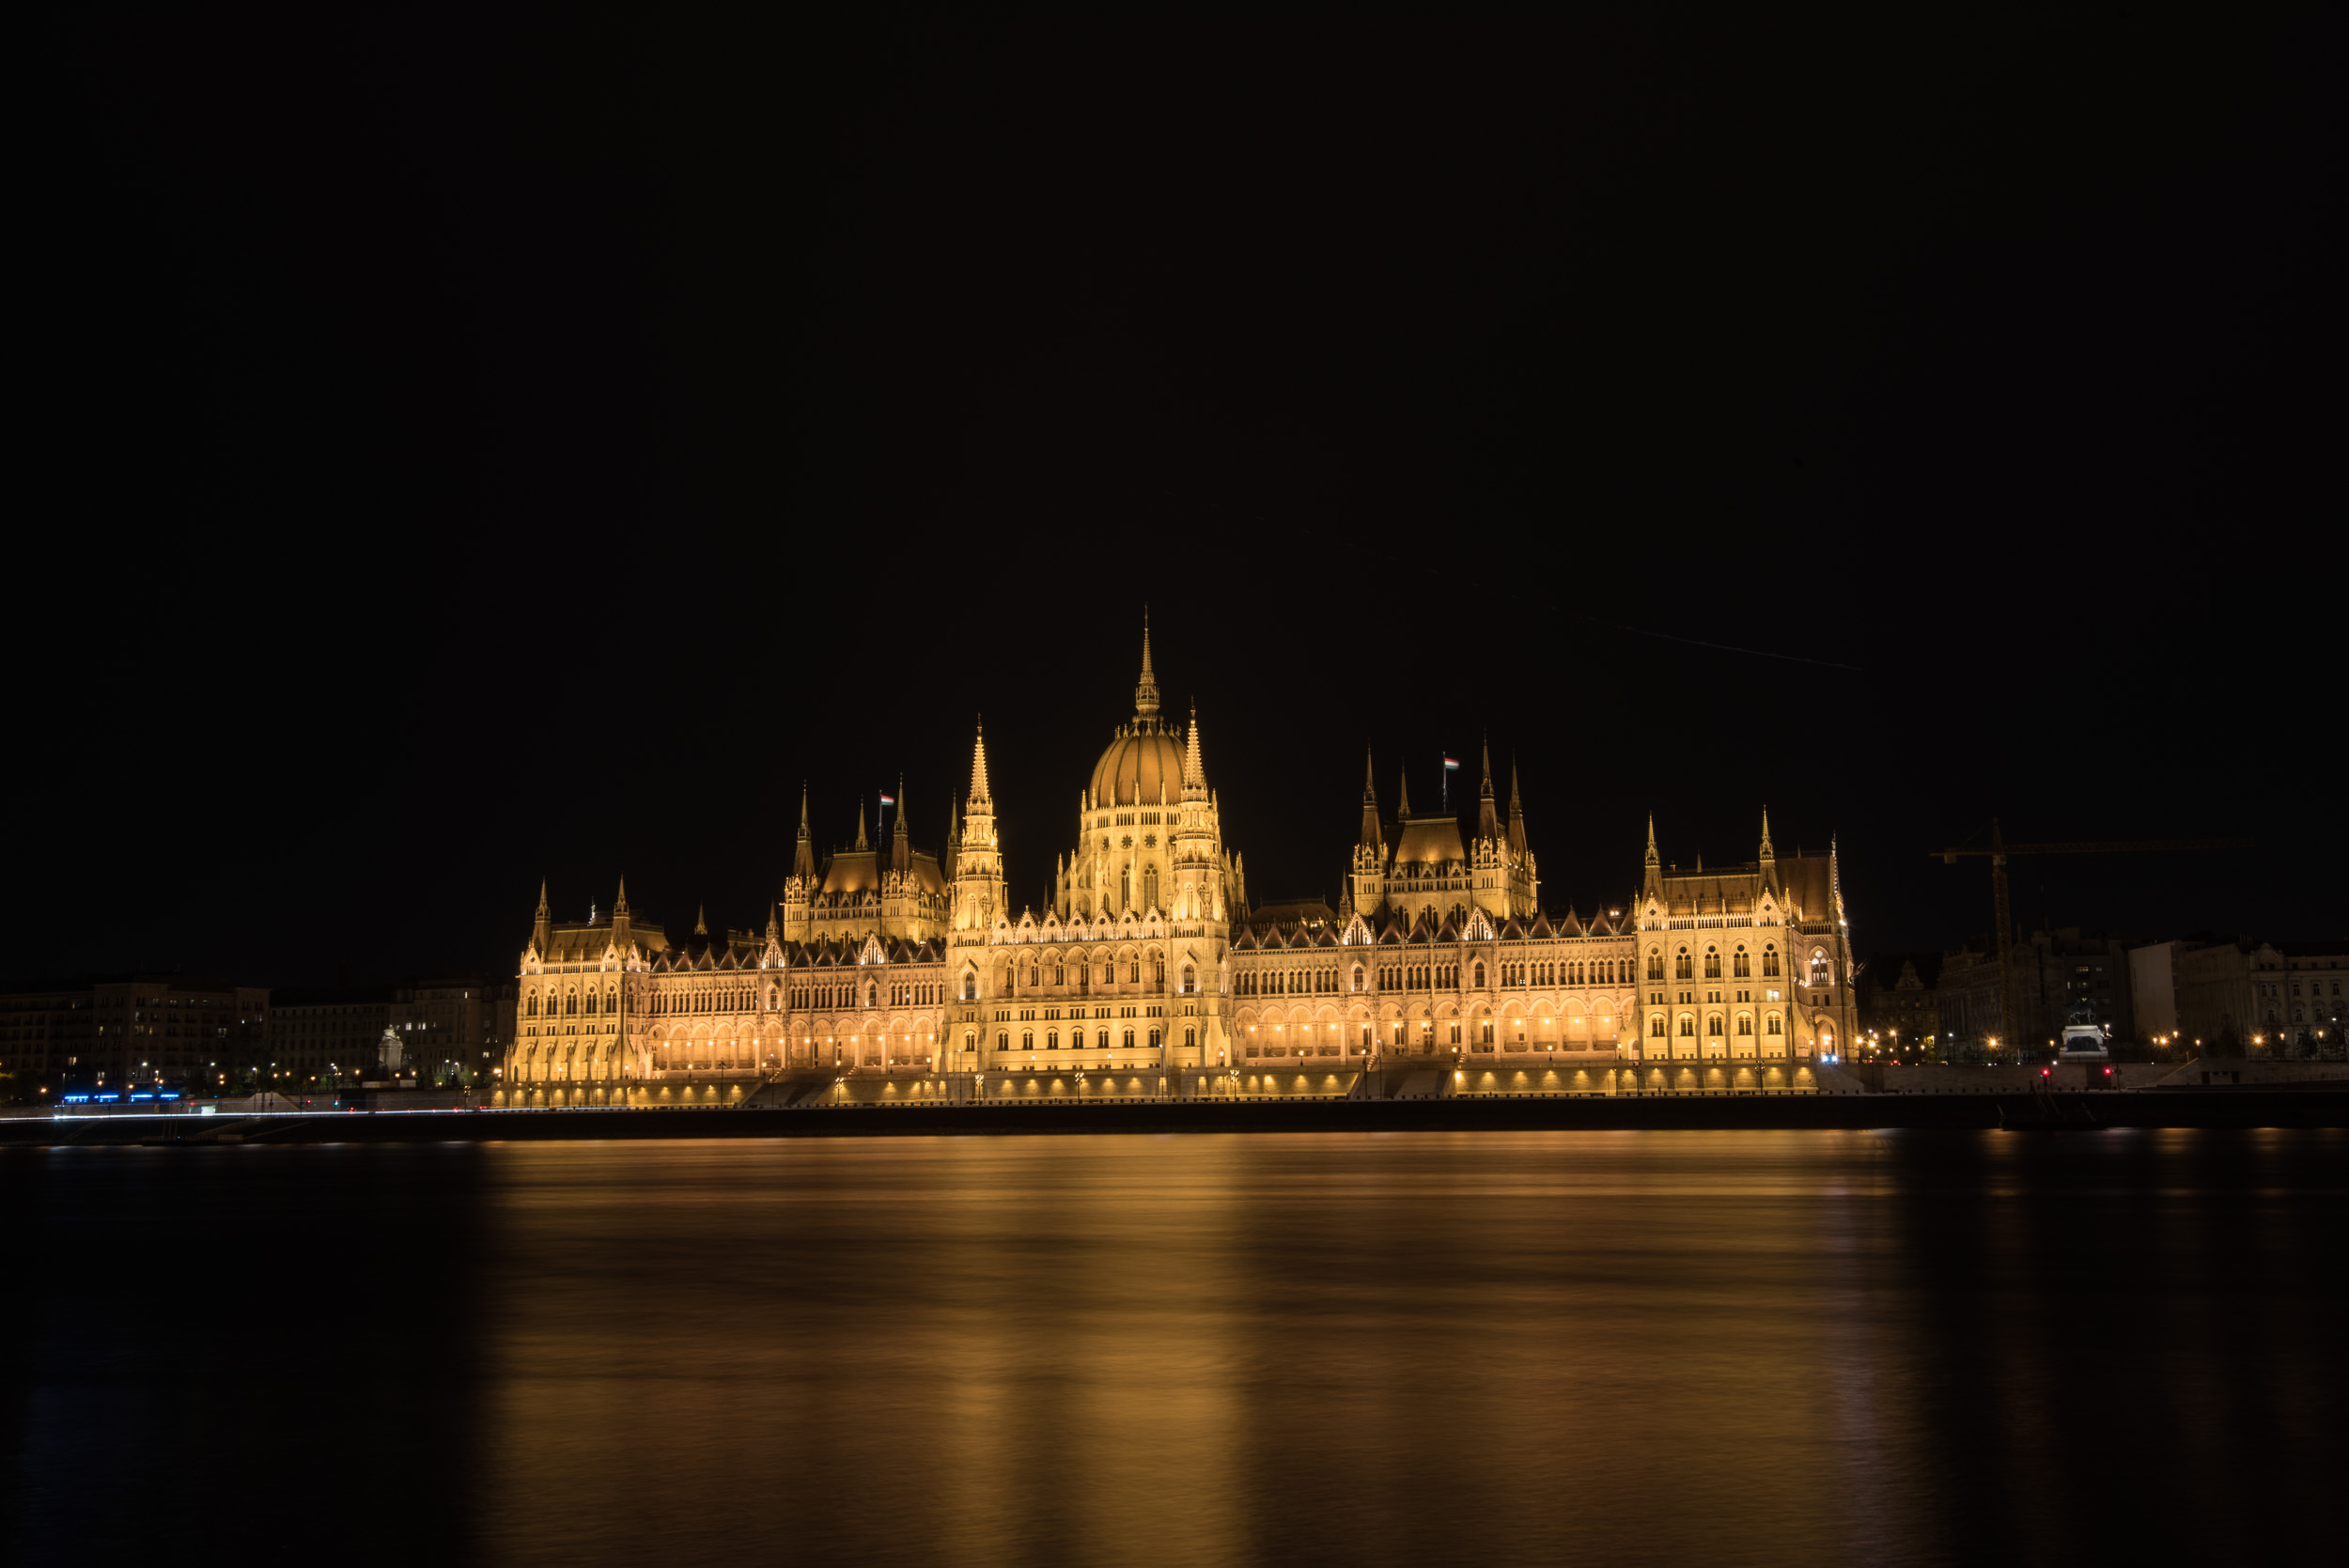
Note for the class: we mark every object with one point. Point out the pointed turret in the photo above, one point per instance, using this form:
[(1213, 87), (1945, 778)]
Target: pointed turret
[(901, 847), (1654, 882), (542, 928), (1194, 770), (774, 927), (1769, 856), (1373, 833), (804, 856), (978, 766), (619, 905), (1488, 815), (861, 841), (1146, 688), (701, 919), (1403, 804), (1517, 812)]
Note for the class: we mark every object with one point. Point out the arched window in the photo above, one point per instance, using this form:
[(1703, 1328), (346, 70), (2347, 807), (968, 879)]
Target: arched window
[(1002, 1040), (1684, 964), (970, 1040), (1773, 1027), (1191, 1038), (570, 1003), (1190, 980), (1822, 973), (1712, 963), (534, 1004), (1134, 971), (590, 1008), (1741, 964), (1688, 1025), (1357, 977), (1770, 965), (1655, 1025), (1713, 1025), (1150, 888), (970, 987), (1480, 975), (1744, 1023), (1027, 1039), (1655, 966), (1060, 974), (1130, 1039)]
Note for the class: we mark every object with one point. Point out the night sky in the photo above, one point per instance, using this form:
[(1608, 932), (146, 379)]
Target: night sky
[(459, 450)]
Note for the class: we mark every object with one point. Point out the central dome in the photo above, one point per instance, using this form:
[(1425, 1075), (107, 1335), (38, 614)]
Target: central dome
[(1144, 760)]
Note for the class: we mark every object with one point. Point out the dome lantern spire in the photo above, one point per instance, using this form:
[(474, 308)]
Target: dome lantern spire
[(1146, 690)]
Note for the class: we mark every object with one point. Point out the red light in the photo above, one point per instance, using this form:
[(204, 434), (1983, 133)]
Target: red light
[(2044, 1071)]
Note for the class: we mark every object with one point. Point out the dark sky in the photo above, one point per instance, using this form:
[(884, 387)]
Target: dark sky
[(455, 450)]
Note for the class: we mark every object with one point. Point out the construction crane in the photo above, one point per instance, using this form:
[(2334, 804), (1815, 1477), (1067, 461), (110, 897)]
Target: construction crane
[(2000, 849)]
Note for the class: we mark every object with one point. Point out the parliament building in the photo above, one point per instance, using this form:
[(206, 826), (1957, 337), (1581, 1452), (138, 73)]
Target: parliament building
[(891, 974)]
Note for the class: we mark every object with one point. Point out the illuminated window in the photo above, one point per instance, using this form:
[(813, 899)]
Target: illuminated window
[(1773, 1027), (1688, 1025), (1684, 964), (1769, 961), (1712, 963)]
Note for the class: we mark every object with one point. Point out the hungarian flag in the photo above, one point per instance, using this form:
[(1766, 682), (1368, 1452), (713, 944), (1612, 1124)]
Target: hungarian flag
[(889, 799), (1452, 765)]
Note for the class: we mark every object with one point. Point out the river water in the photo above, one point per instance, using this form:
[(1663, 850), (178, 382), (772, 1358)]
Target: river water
[(1625, 1347)]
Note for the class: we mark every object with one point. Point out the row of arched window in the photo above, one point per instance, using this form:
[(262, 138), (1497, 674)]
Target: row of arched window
[(569, 1004), (1740, 963), (1772, 1025)]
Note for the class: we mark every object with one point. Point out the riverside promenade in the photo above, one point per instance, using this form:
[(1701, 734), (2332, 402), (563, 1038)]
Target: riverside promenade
[(2315, 1105)]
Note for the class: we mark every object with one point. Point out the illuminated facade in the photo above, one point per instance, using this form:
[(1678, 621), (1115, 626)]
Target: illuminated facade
[(909, 975)]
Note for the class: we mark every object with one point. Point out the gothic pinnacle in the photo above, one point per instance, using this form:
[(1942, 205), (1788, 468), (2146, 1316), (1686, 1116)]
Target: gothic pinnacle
[(1146, 690)]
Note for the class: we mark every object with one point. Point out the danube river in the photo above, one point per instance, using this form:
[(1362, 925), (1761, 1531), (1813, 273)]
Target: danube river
[(1410, 1348)]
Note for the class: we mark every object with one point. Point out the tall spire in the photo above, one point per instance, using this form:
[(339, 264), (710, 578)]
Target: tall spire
[(1516, 811), (1194, 770), (543, 927), (1767, 853), (701, 919), (978, 765), (1652, 858), (1403, 806), (861, 843), (1488, 818), (900, 845), (1372, 833), (619, 905), (1653, 884), (803, 857), (1146, 690)]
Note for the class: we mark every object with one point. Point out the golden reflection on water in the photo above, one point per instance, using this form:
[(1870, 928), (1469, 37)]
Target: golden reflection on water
[(1374, 1348)]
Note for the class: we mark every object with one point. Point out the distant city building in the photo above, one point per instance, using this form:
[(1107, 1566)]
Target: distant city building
[(2273, 999), (326, 1035), (1897, 1006), (2060, 976), (454, 1030), (139, 1028), (1146, 961)]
